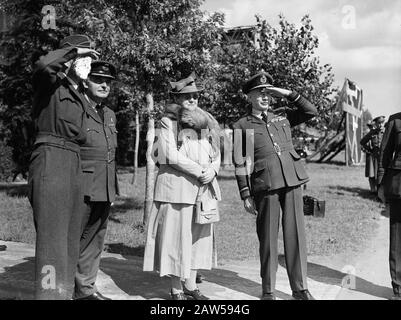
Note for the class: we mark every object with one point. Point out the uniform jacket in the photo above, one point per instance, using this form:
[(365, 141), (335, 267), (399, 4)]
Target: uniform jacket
[(58, 108), (271, 160), (389, 173), (98, 156), (176, 180), (371, 144)]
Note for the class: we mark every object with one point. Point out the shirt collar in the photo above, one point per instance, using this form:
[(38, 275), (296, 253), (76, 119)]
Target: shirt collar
[(257, 113)]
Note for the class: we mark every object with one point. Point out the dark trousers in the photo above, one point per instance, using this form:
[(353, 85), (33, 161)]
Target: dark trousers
[(91, 246), (373, 185), (268, 205), (395, 244), (56, 198)]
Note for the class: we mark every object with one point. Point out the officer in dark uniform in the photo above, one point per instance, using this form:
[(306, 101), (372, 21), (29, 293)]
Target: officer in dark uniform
[(55, 175), (371, 143), (389, 179), (269, 174), (100, 178), (369, 166)]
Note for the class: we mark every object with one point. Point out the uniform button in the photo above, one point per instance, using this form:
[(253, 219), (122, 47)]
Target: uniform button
[(271, 134), (268, 125)]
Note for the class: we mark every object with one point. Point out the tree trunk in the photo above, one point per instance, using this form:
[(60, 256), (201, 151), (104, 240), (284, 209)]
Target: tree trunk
[(137, 133), (150, 165)]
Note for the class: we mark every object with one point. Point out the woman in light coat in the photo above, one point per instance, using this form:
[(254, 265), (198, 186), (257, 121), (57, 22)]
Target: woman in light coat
[(175, 244)]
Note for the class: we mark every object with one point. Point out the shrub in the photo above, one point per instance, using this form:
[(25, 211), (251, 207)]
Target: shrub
[(6, 163)]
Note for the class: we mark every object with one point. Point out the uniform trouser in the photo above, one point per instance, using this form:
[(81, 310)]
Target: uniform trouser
[(395, 244), (268, 205), (373, 184), (91, 247), (55, 181)]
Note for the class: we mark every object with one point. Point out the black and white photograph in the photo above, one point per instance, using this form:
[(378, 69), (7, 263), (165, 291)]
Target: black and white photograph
[(228, 151)]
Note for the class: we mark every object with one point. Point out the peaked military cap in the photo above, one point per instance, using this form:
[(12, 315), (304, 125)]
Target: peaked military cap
[(103, 69), (186, 85), (259, 80), (379, 119), (77, 40)]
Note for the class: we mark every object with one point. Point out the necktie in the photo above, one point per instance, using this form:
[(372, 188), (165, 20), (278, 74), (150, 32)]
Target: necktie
[(264, 117), (100, 112)]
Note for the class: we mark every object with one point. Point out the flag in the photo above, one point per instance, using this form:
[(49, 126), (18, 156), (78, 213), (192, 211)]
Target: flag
[(350, 102)]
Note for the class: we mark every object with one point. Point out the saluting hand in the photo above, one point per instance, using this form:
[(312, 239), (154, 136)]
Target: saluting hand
[(249, 206), (278, 92), (88, 52)]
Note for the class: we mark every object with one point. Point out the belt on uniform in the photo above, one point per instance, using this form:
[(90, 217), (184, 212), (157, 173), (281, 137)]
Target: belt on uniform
[(278, 149), (98, 155), (56, 141)]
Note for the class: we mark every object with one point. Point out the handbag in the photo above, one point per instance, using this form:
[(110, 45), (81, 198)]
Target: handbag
[(206, 208), (314, 207)]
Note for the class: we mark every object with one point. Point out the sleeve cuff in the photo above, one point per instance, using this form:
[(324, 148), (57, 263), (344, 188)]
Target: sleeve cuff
[(70, 53), (293, 97), (245, 193)]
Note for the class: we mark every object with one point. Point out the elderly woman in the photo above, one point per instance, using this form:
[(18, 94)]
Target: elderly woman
[(187, 153)]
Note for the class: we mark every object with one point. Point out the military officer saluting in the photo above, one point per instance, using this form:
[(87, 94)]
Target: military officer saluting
[(55, 175), (100, 179), (270, 179)]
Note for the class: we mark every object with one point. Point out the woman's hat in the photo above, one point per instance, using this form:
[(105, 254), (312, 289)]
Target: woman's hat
[(186, 85)]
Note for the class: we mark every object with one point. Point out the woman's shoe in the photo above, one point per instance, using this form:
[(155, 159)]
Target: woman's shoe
[(195, 294), (199, 278), (178, 296)]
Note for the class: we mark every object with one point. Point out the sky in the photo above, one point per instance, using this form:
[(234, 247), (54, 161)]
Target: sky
[(361, 39)]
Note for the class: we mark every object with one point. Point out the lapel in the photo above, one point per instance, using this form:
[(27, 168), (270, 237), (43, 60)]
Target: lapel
[(254, 119), (69, 92), (108, 119), (90, 110), (94, 115)]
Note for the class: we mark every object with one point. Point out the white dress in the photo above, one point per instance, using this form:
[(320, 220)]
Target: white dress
[(180, 243)]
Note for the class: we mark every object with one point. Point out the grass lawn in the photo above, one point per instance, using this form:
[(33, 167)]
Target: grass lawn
[(350, 215)]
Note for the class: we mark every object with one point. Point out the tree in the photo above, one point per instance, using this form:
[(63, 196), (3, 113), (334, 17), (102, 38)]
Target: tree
[(23, 43), (150, 42), (168, 40), (288, 54)]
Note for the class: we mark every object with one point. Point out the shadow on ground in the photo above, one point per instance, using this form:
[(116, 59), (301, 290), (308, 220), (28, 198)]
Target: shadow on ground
[(124, 250), (360, 192), (123, 205), (129, 277), (330, 163), (15, 190), (17, 281), (334, 277)]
